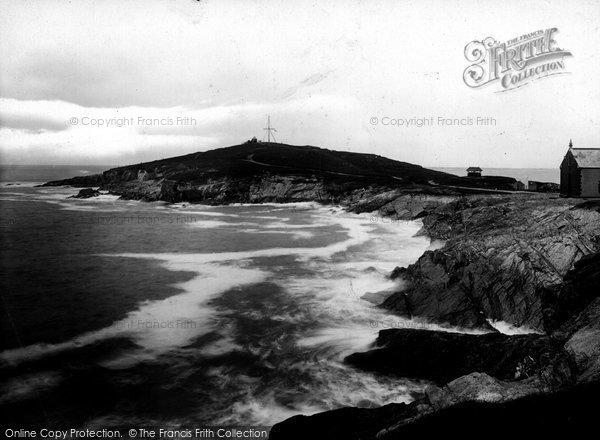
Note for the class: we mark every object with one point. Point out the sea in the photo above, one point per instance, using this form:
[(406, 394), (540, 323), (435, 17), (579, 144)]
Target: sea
[(118, 312), (551, 175)]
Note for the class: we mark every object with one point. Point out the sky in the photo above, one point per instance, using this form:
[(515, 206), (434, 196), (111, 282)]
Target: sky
[(119, 82)]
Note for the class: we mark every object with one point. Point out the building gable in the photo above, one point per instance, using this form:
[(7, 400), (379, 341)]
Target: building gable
[(586, 157)]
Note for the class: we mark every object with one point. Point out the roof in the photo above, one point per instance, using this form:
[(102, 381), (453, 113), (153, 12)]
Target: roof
[(474, 169), (586, 157)]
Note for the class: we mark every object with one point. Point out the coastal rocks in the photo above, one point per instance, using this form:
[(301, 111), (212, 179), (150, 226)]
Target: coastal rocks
[(472, 406), (213, 191), (127, 174), (86, 193), (584, 344), (367, 199), (543, 186), (479, 387), (503, 258), (413, 206), (79, 181), (258, 189), (580, 287), (571, 413), (272, 188), (585, 348), (444, 356), (148, 190), (526, 382), (582, 330), (343, 423), (262, 188), (435, 291), (168, 191)]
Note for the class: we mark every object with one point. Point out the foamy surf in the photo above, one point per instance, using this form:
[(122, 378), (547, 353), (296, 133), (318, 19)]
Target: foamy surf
[(510, 329), (293, 310), (157, 326)]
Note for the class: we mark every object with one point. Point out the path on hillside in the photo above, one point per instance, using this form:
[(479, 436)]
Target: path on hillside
[(250, 159)]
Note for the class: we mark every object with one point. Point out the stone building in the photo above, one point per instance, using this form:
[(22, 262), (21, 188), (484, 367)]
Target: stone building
[(580, 172)]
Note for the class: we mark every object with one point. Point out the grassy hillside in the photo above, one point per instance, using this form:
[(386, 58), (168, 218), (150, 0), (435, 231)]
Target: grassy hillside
[(252, 160), (255, 158)]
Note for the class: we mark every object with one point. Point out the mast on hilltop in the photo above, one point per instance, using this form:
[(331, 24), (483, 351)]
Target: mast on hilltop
[(269, 130)]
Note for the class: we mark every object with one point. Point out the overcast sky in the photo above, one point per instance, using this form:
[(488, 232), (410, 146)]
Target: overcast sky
[(322, 70)]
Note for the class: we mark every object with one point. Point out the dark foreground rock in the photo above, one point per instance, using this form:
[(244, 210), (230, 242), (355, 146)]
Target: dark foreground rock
[(583, 344), (343, 423), (480, 387), (543, 186), (86, 193), (513, 386), (580, 287), (571, 412), (442, 356)]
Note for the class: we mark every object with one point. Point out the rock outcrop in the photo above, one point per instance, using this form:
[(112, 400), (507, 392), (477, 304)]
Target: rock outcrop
[(543, 186), (506, 258), (95, 180), (475, 406), (86, 193), (443, 356), (480, 387), (570, 413), (343, 423), (583, 339)]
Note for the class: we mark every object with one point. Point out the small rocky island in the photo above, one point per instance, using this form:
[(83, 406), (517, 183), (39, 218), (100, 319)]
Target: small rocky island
[(528, 259)]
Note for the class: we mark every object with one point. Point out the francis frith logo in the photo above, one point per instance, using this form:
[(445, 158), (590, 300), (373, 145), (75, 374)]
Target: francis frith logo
[(516, 62)]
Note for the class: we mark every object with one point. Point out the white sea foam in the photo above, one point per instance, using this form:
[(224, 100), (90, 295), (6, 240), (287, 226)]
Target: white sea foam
[(509, 329), (212, 279), (344, 271), (281, 225), (335, 385), (268, 217), (282, 206), (61, 196), (18, 184), (294, 234), (23, 387), (208, 213), (158, 326)]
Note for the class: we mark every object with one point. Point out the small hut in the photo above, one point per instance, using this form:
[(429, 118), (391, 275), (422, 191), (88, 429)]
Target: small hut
[(474, 172)]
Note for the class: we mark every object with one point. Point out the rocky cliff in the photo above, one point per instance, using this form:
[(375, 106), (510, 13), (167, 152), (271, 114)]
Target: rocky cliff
[(530, 260), (506, 258)]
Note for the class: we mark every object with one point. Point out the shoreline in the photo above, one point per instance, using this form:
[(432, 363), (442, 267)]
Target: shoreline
[(337, 216), (441, 223), (491, 240)]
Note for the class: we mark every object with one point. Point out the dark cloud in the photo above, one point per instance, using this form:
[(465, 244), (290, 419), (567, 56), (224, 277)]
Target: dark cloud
[(33, 123)]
